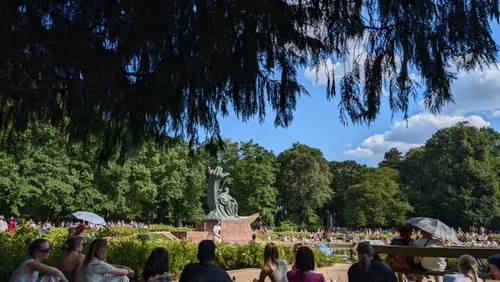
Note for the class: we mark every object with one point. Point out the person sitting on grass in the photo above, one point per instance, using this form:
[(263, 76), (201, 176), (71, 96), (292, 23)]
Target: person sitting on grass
[(38, 250), (205, 270)]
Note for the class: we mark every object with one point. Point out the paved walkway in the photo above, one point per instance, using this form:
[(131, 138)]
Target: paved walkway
[(337, 272)]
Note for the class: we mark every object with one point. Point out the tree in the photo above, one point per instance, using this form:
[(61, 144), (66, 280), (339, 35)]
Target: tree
[(344, 174), (303, 183), (44, 181), (392, 159), (455, 176), (124, 70), (252, 180), (179, 180), (376, 201)]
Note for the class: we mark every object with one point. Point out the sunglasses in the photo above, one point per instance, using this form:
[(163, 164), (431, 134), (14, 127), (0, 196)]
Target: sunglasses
[(45, 251)]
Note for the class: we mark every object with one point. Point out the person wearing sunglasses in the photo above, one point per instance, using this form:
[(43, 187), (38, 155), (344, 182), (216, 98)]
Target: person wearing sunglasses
[(38, 250)]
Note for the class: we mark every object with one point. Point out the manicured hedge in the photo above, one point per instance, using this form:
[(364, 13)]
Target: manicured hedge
[(133, 253)]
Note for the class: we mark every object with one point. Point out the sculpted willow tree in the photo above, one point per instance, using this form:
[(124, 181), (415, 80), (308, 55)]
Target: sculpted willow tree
[(125, 70)]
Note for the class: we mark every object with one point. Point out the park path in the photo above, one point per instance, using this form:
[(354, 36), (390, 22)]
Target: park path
[(337, 272)]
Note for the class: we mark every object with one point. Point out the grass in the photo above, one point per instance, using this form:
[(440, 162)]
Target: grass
[(156, 236)]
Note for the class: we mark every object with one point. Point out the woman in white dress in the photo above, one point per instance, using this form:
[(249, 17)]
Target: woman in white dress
[(95, 269), (38, 250), (467, 271)]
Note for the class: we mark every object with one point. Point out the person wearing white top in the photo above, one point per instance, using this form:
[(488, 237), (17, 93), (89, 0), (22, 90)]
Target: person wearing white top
[(38, 250), (467, 267), (216, 230), (95, 269), (433, 264)]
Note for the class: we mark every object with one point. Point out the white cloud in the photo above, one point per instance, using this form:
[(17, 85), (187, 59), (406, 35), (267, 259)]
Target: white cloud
[(356, 52), (476, 92), (406, 135), (360, 153)]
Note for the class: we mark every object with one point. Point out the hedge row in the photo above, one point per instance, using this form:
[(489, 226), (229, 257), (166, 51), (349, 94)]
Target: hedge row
[(133, 253)]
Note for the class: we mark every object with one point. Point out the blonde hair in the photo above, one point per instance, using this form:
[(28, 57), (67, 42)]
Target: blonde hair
[(271, 257), (468, 265)]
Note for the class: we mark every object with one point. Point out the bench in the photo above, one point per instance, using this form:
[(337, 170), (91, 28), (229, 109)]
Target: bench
[(481, 254)]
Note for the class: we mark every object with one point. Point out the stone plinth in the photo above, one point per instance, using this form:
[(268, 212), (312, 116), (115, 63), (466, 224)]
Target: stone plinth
[(232, 230)]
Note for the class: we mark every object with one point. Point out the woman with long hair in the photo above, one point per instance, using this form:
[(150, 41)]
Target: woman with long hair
[(467, 271), (369, 270), (38, 251), (305, 265), (296, 247), (156, 268), (274, 267), (95, 268), (72, 259)]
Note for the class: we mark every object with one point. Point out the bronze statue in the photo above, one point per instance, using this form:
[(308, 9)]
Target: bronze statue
[(220, 203)]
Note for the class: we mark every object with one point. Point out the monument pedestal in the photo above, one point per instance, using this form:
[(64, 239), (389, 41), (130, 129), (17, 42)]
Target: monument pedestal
[(222, 207), (232, 230)]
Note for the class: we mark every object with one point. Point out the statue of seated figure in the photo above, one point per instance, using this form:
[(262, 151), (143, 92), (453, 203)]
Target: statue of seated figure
[(229, 206)]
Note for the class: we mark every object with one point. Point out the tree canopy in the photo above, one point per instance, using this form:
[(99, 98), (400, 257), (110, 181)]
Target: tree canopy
[(252, 178), (344, 174), (376, 200), (128, 70), (455, 177), (303, 183)]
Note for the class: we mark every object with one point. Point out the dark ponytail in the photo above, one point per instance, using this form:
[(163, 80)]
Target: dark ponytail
[(72, 243), (365, 255)]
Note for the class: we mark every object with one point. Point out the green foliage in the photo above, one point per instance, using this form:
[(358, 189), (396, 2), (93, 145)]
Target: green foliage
[(134, 253), (376, 200), (344, 174), (252, 180), (48, 177), (303, 182), (112, 70), (456, 176), (392, 159)]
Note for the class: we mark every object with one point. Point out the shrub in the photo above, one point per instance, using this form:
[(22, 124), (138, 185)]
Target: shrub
[(133, 253)]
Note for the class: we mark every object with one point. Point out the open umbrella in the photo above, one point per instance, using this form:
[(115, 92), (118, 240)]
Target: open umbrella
[(435, 227), (89, 217)]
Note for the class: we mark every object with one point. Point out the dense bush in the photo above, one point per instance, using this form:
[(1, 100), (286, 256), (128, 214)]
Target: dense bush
[(133, 253)]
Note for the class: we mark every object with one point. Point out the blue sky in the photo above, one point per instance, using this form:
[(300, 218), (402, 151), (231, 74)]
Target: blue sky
[(317, 124)]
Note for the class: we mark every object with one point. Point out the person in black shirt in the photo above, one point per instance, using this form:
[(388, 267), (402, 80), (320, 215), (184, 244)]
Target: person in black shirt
[(369, 270), (205, 270)]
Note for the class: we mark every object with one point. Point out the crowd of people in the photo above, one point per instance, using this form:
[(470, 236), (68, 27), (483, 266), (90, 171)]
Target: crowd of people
[(75, 267), (48, 225)]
